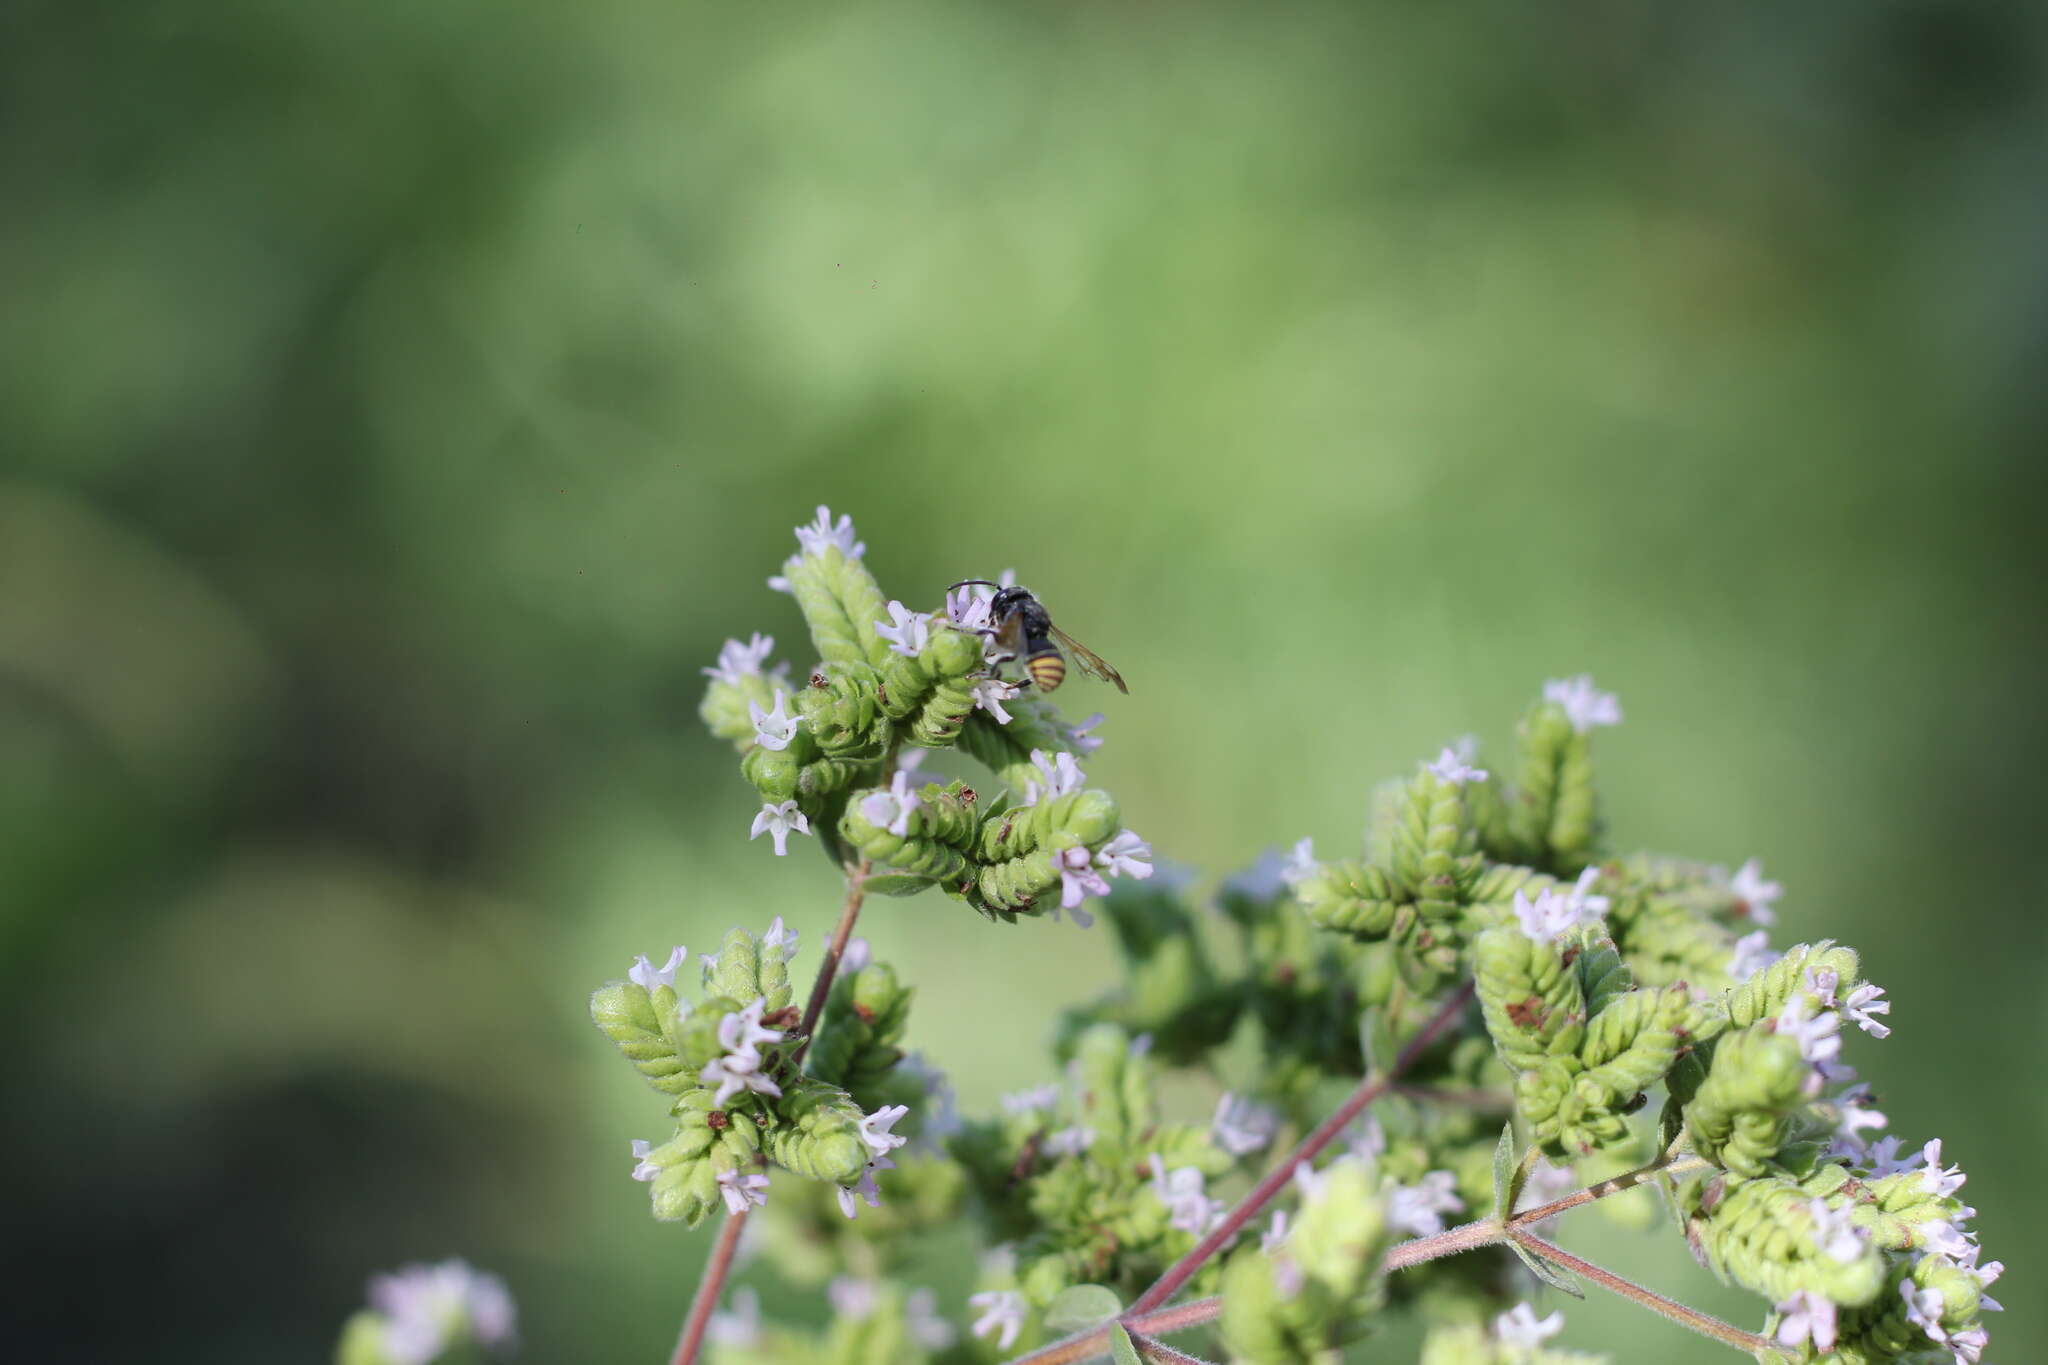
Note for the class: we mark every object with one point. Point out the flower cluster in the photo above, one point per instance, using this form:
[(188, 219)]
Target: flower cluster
[(421, 1313)]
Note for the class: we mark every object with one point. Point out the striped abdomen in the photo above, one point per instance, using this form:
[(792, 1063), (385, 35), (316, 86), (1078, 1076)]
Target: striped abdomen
[(1047, 668)]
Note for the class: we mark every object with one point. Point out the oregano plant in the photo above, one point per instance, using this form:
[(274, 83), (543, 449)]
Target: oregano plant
[(1426, 1052)]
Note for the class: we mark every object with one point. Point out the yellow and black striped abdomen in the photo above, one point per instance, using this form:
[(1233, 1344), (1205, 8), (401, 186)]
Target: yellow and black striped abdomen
[(1047, 669)]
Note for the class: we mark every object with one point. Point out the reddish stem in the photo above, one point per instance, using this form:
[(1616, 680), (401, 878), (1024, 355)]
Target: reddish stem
[(1277, 1179), (856, 892), (709, 1290)]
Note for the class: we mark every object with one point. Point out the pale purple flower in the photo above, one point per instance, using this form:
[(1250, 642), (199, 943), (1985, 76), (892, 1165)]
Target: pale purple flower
[(780, 582), (741, 1034), (773, 729), (1968, 1345), (1418, 1209), (651, 977), (1030, 1101), (737, 661), (1451, 768), (1242, 1126), (1301, 864), (644, 1165), (1275, 1235), (1753, 953), (1924, 1309), (742, 1192), (1854, 1114), (1078, 878), (1585, 706), (1002, 1312), (1547, 918), (1806, 1316), (1934, 1179), (1819, 1035), (921, 1319), (989, 695), (967, 607), (907, 631), (866, 1189), (1865, 1001), (891, 809), (1188, 1204), (1588, 908), (1756, 895), (851, 1298), (1070, 1141), (1520, 1326), (857, 956), (874, 1129), (1308, 1181), (741, 1327), (428, 1308), (779, 939), (1062, 777), (1125, 856), (1834, 1231), (1083, 742), (1365, 1139), (1942, 1237), (779, 821), (824, 533)]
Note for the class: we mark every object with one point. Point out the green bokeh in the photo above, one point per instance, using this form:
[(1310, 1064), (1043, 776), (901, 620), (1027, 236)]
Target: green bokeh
[(400, 403)]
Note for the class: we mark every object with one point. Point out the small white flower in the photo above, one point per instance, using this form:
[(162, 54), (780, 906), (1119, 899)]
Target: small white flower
[(779, 939), (967, 607), (1418, 1208), (742, 1192), (644, 1167), (824, 533), (1083, 742), (1584, 705), (866, 1189), (1301, 864), (1070, 1141), (1262, 881), (1002, 1312), (921, 1319), (1883, 1158), (780, 582), (1752, 954), (1308, 1181), (1125, 856), (1078, 879), (1549, 917), (874, 1129), (773, 729), (646, 974), (907, 631), (741, 1327), (857, 955), (741, 1068), (989, 695), (1807, 1316), (1865, 1001), (1365, 1139), (1756, 896), (1275, 1235), (1924, 1308), (737, 661), (1062, 777), (1819, 1035), (1968, 1345), (1853, 1115), (891, 809), (1520, 1326), (743, 1031), (1588, 908), (1934, 1179), (1451, 768), (779, 821), (427, 1306), (1188, 1204), (1241, 1126), (1834, 1231), (851, 1298), (1030, 1101), (1943, 1238)]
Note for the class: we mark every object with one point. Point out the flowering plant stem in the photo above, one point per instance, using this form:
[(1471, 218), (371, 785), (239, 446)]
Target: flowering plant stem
[(1747, 1342), (709, 1288), (712, 1286), (1277, 1179), (1154, 1350)]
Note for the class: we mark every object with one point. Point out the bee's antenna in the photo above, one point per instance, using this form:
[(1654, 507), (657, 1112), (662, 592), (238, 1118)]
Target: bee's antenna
[(974, 582)]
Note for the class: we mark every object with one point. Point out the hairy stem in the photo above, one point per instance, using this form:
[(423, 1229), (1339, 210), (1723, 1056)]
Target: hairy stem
[(709, 1290), (1747, 1342), (1095, 1341), (1152, 1349), (1278, 1178), (1613, 1185), (856, 892)]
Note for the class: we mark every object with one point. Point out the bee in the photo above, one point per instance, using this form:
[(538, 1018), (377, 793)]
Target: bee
[(1024, 629)]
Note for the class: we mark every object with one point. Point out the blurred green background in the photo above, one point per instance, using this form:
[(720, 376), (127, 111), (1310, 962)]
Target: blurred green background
[(400, 403)]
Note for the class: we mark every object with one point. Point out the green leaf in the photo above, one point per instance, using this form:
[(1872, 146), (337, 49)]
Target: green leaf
[(1122, 1349), (1554, 1276), (1082, 1307), (1504, 1173)]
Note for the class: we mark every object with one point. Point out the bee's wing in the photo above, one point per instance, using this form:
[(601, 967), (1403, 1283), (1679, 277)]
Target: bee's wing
[(1093, 664)]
